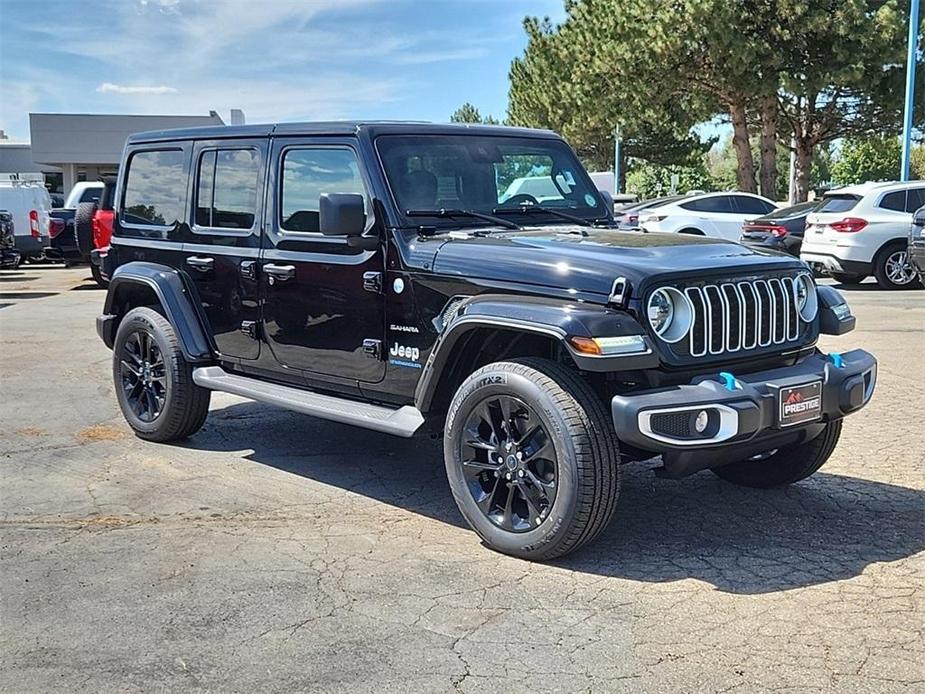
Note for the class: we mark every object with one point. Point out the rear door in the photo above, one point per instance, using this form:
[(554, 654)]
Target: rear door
[(150, 221), (221, 249), (323, 312)]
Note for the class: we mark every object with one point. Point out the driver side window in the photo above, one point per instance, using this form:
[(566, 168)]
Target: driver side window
[(307, 173)]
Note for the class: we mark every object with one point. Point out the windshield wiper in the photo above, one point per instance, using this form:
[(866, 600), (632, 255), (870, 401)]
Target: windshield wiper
[(532, 209), (442, 212)]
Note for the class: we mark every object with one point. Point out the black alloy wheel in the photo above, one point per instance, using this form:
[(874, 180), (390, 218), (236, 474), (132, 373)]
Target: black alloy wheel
[(143, 375), (509, 463)]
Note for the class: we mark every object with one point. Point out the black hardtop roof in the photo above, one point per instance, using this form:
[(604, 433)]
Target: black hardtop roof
[(372, 128)]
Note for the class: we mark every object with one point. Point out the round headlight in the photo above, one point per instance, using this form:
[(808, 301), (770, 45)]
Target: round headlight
[(669, 313), (661, 309), (807, 301)]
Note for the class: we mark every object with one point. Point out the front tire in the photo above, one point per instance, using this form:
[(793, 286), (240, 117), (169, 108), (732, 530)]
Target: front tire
[(786, 465), (556, 485), (893, 269), (153, 381)]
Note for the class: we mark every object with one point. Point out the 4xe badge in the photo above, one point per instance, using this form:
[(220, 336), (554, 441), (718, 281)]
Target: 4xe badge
[(801, 403), (405, 356)]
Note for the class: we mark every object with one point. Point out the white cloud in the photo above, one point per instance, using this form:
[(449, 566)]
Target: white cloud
[(110, 88)]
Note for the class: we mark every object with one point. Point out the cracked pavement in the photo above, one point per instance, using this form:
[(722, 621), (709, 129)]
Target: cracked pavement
[(274, 552)]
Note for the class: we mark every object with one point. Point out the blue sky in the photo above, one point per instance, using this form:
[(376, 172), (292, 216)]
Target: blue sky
[(276, 59)]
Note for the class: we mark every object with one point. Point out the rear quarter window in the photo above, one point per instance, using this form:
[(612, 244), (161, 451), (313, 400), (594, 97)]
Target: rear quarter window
[(154, 189), (895, 201)]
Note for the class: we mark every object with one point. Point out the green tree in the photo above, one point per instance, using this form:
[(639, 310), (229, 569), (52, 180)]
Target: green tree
[(558, 84), (649, 180), (917, 163), (868, 159), (813, 70), (467, 113), (842, 72)]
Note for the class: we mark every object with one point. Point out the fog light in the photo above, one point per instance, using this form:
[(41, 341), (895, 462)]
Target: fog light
[(701, 422)]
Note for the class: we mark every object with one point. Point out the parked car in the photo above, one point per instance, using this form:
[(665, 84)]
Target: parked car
[(25, 197), (57, 200), (782, 230), (100, 229), (708, 214), (9, 255), (863, 230), (917, 242), (628, 217), (377, 278), (70, 241)]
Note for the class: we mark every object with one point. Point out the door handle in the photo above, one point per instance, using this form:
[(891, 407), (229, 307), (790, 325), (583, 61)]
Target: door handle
[(280, 273), (201, 264)]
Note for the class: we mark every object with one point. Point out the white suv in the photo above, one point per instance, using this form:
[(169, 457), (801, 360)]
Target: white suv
[(863, 230), (707, 214)]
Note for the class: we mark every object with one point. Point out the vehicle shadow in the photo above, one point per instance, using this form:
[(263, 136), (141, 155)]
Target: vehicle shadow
[(827, 528)]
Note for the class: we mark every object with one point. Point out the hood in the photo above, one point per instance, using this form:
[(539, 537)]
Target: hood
[(561, 257)]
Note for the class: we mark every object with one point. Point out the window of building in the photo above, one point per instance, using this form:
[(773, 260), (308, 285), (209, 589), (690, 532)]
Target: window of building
[(306, 175), (154, 188), (226, 194)]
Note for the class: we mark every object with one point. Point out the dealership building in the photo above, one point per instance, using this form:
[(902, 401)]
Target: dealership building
[(72, 147)]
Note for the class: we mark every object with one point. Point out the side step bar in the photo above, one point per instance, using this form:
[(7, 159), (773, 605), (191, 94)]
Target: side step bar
[(403, 421)]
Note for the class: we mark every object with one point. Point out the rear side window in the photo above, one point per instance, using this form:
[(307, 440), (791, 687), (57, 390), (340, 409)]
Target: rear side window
[(718, 203), (838, 203), (226, 194), (750, 205), (895, 201), (309, 172), (154, 188)]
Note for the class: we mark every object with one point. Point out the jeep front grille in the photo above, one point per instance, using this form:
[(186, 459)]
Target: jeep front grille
[(733, 316)]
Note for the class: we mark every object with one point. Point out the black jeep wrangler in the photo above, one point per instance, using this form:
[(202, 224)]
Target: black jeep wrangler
[(414, 278)]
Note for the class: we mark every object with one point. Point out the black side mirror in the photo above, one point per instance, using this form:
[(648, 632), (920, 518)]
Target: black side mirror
[(341, 214), (607, 198)]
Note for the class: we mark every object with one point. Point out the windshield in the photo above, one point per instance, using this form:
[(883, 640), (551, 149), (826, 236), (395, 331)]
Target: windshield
[(486, 174)]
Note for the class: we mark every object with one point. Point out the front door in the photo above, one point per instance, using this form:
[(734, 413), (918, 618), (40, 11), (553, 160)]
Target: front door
[(222, 248), (322, 314)]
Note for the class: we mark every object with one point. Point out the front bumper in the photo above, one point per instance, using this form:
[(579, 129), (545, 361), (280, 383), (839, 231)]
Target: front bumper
[(745, 419)]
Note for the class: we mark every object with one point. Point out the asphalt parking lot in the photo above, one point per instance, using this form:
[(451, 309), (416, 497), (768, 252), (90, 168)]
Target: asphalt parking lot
[(274, 552)]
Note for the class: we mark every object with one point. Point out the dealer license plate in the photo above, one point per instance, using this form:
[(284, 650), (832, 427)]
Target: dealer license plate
[(802, 403)]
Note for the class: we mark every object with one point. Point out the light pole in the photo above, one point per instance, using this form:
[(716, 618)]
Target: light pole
[(617, 142), (910, 88)]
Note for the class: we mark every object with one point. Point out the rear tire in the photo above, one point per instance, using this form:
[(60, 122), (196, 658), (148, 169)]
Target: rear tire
[(557, 485), (153, 381), (843, 278), (692, 232), (786, 465), (893, 270)]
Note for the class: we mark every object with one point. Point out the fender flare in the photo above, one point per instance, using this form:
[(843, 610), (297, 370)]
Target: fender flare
[(554, 318), (174, 297)]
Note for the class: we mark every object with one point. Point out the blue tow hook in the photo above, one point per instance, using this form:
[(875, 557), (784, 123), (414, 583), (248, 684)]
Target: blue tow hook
[(729, 381), (836, 359)]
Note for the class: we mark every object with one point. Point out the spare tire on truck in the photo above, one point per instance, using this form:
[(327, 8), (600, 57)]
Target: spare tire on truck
[(83, 228)]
